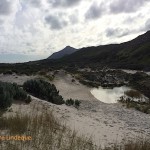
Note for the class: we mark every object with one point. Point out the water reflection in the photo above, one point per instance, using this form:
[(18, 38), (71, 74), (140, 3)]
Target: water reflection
[(109, 95)]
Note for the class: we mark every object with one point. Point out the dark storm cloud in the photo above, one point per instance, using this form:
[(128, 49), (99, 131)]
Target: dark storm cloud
[(126, 6), (116, 32), (94, 12), (55, 22), (63, 3), (5, 7)]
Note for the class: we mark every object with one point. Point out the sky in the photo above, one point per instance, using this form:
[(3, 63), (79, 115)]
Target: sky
[(34, 29)]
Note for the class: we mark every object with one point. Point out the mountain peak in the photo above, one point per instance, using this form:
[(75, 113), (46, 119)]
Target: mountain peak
[(134, 54), (66, 51), (68, 46)]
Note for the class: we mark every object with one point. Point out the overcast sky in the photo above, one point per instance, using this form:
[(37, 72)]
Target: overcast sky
[(34, 29)]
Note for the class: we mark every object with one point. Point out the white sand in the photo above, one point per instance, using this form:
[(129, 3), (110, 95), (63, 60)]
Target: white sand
[(106, 123), (134, 71), (15, 78)]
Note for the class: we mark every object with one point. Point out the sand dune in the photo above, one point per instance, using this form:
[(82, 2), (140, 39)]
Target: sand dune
[(106, 123)]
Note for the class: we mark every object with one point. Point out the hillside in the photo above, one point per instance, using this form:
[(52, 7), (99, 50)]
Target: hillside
[(66, 51), (134, 54)]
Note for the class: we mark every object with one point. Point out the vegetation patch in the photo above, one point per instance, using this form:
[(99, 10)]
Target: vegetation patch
[(134, 99), (48, 133), (43, 90), (71, 102), (49, 77), (133, 94), (10, 92), (14, 124)]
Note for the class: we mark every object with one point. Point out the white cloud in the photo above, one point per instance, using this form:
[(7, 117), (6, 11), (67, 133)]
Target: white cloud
[(126, 6), (31, 26)]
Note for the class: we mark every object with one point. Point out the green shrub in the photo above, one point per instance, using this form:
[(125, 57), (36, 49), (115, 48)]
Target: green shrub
[(10, 92), (77, 103), (43, 90), (9, 72), (19, 94), (138, 105), (42, 73), (5, 98), (49, 77), (69, 102), (28, 100), (73, 80)]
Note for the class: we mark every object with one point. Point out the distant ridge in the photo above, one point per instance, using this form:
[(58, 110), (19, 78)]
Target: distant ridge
[(64, 52), (134, 54)]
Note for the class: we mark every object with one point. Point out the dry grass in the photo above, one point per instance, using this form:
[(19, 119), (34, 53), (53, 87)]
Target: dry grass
[(46, 131), (139, 104), (49, 134), (15, 124), (133, 94), (142, 144)]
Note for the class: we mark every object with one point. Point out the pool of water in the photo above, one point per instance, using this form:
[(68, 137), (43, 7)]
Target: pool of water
[(109, 95)]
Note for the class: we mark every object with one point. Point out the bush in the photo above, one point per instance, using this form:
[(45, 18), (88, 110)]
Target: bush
[(71, 102), (9, 72), (42, 73), (10, 92), (19, 94), (133, 94), (73, 80), (28, 100), (49, 77), (5, 98), (77, 103), (138, 105), (43, 90)]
